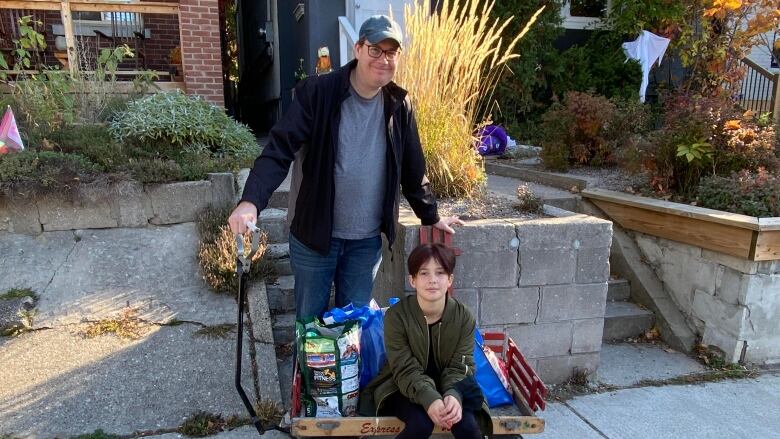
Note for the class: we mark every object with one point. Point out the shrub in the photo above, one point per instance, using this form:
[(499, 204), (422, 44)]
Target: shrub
[(92, 141), (527, 201), (453, 59), (748, 193), (599, 66), (576, 130), (524, 89), (174, 119), (746, 145), (702, 136), (52, 171), (217, 253), (182, 166), (155, 170)]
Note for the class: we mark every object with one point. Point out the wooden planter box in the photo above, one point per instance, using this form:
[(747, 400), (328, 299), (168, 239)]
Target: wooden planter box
[(747, 237)]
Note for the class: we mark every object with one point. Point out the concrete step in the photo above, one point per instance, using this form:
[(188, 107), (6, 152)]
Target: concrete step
[(281, 195), (280, 254), (618, 290), (278, 198), (625, 319), (281, 297), (284, 327), (506, 187), (274, 223)]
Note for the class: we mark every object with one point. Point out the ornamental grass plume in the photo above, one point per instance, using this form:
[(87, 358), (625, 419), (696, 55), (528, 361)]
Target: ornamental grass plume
[(450, 65)]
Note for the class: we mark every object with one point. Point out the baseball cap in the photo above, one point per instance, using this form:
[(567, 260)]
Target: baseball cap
[(380, 27)]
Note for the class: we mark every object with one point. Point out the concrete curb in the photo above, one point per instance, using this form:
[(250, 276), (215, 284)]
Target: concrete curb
[(262, 333), (541, 177)]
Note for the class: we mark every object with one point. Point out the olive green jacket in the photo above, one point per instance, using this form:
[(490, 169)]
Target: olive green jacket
[(406, 343)]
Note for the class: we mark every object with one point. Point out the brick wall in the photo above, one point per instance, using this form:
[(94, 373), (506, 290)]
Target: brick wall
[(201, 49)]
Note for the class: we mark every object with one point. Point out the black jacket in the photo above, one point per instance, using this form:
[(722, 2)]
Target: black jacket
[(313, 120)]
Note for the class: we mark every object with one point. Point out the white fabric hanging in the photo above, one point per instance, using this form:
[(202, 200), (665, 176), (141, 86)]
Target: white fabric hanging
[(647, 49)]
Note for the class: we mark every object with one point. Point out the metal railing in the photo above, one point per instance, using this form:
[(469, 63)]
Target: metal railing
[(759, 90)]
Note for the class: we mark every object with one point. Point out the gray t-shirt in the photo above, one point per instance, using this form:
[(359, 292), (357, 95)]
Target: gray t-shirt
[(360, 168)]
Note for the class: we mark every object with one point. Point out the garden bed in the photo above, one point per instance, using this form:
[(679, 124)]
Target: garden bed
[(542, 281)]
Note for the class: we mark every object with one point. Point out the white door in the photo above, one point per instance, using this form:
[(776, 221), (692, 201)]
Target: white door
[(367, 8)]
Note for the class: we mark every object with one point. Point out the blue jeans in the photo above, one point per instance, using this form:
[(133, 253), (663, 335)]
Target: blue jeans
[(351, 264)]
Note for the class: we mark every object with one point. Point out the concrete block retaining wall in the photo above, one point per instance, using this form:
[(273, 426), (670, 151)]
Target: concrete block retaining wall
[(135, 205), (543, 282), (733, 303)]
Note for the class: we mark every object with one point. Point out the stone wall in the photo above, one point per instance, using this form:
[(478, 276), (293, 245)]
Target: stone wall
[(733, 303), (132, 205), (543, 282)]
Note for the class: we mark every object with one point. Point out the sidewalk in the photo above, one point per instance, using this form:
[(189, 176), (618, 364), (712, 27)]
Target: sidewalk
[(728, 409)]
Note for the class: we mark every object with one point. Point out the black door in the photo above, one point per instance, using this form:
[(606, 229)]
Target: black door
[(255, 103)]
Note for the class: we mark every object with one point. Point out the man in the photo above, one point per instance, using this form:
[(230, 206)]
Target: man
[(354, 140)]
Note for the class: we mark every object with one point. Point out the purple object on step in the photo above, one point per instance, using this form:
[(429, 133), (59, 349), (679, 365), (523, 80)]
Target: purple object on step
[(492, 140)]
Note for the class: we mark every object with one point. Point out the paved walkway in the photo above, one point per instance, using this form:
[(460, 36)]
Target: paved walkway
[(57, 383)]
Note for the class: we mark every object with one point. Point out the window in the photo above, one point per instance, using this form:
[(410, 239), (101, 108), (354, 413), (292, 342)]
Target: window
[(122, 24), (105, 16), (85, 22), (584, 14)]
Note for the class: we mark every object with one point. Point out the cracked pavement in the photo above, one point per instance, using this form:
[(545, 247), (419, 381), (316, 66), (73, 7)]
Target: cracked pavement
[(57, 383)]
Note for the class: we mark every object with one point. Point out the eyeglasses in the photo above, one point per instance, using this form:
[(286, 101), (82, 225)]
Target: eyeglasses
[(376, 52)]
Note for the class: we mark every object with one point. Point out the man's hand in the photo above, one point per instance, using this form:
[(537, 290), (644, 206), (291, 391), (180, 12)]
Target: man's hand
[(435, 412), (245, 211), (446, 222), (452, 411)]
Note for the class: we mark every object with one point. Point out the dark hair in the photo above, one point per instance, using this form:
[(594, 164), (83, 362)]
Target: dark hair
[(424, 252), (361, 41)]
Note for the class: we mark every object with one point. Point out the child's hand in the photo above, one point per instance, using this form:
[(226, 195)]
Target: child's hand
[(435, 412), (452, 411)]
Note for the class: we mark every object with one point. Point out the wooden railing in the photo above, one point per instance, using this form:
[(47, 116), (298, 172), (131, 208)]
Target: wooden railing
[(759, 91), (67, 7)]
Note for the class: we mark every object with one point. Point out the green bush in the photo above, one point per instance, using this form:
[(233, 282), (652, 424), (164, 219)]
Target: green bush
[(600, 66), (53, 171), (92, 141), (175, 119), (727, 142), (183, 166), (748, 193), (524, 90)]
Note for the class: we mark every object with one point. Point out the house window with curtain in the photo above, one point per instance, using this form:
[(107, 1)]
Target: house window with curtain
[(585, 14)]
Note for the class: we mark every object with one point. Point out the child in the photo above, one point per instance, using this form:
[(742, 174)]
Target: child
[(429, 337)]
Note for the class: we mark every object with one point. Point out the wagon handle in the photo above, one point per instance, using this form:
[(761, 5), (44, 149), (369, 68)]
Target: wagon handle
[(243, 265)]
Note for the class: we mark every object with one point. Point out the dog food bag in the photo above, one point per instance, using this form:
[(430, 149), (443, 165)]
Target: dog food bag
[(329, 361)]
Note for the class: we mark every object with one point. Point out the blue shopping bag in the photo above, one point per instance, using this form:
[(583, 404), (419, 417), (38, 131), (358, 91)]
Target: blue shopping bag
[(372, 337), (495, 392)]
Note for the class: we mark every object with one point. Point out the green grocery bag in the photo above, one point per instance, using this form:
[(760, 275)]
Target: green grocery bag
[(329, 362)]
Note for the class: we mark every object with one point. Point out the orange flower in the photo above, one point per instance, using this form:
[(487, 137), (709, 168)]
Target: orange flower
[(734, 124)]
